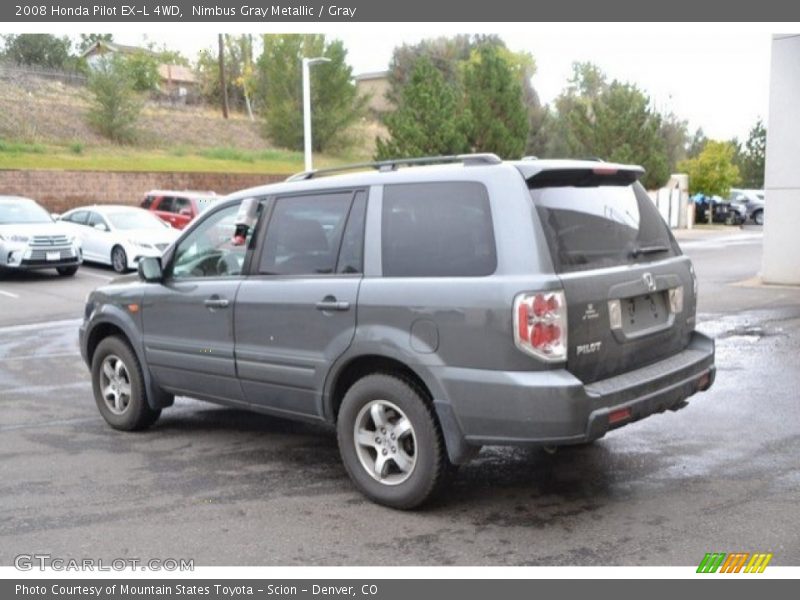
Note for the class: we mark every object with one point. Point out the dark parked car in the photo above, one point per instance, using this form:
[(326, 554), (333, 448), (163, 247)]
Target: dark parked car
[(178, 208), (424, 311)]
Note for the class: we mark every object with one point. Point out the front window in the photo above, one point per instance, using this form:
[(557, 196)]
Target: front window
[(209, 251), (22, 212)]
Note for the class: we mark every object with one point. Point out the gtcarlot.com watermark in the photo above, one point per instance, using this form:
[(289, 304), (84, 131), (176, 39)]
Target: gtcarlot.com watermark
[(43, 562)]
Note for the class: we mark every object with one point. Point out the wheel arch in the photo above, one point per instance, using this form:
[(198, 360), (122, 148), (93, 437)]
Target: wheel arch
[(350, 370), (110, 324)]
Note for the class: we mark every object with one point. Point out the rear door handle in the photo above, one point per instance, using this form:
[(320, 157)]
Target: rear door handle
[(215, 302), (330, 303)]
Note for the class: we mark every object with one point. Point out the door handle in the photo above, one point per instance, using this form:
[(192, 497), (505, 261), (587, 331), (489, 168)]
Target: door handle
[(330, 303), (216, 302)]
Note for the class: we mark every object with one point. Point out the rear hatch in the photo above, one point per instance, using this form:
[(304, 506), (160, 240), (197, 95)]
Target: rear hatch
[(628, 289)]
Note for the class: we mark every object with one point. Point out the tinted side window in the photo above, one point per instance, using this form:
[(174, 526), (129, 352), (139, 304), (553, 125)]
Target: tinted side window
[(166, 204), (182, 204), (351, 255), (304, 233), (148, 200), (437, 230), (96, 219), (78, 217)]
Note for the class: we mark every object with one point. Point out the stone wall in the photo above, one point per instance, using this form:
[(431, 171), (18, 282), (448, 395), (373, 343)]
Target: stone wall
[(59, 191)]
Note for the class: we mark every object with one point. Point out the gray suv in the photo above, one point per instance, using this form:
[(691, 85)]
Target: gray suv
[(424, 311)]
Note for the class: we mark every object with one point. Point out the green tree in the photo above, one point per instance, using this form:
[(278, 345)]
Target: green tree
[(446, 54), (334, 99), (115, 106), (674, 133), (614, 121), (142, 68), (751, 163), (697, 143), (429, 120), (41, 49), (500, 121), (712, 172)]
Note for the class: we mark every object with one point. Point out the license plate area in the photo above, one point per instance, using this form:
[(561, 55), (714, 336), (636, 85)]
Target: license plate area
[(644, 313), (52, 255)]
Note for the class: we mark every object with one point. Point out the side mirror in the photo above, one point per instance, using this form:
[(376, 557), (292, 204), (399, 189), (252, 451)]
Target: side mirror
[(100, 227), (150, 269), (55, 216)]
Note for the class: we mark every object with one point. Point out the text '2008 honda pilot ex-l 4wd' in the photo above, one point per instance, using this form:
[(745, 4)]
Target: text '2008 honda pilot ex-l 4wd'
[(425, 311)]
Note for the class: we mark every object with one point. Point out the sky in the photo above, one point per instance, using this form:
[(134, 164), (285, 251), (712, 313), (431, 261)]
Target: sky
[(716, 76)]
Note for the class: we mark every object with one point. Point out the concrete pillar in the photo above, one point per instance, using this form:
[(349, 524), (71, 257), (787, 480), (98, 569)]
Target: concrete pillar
[(781, 258)]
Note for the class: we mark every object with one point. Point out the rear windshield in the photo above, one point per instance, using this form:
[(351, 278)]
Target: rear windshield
[(592, 227)]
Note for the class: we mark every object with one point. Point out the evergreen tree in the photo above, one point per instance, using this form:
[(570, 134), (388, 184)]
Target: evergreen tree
[(428, 121), (334, 100), (494, 97)]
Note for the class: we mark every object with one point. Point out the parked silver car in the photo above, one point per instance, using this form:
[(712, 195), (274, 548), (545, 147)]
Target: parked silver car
[(749, 204), (30, 239)]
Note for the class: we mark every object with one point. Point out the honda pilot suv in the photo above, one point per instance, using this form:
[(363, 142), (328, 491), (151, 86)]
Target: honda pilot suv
[(424, 311)]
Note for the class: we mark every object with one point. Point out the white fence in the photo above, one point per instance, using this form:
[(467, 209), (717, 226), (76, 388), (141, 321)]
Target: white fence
[(672, 201)]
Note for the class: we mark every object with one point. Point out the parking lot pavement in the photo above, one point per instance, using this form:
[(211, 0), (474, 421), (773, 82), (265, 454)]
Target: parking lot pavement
[(34, 296), (225, 487)]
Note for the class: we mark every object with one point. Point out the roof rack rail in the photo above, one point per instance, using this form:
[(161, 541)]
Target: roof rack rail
[(392, 165)]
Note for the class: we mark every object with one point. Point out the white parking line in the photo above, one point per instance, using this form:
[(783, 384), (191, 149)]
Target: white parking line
[(40, 326), (8, 294), (96, 275)]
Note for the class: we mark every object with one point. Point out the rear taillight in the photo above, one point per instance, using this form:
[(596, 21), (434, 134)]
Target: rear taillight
[(540, 325)]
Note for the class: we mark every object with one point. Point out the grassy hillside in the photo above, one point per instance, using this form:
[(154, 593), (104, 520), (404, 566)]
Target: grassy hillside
[(43, 126)]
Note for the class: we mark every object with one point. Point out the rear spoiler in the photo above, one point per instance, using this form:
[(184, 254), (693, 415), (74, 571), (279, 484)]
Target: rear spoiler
[(590, 176)]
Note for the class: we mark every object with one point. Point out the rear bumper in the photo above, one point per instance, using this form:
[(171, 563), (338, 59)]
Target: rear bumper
[(554, 407)]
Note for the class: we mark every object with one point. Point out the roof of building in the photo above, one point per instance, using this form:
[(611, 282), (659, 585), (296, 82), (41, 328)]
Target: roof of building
[(177, 73), (114, 47)]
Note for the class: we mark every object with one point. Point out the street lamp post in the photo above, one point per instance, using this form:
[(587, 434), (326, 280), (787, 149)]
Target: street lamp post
[(307, 62)]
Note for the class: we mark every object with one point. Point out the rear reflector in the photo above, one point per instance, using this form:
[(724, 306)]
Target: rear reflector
[(704, 382), (618, 416)]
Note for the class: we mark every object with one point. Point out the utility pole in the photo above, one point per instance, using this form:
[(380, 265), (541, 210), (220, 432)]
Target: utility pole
[(222, 80), (307, 63)]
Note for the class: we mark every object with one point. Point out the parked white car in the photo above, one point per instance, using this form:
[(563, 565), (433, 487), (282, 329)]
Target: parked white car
[(29, 239), (119, 235)]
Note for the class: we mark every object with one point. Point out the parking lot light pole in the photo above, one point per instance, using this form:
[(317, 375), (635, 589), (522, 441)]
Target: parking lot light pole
[(307, 62)]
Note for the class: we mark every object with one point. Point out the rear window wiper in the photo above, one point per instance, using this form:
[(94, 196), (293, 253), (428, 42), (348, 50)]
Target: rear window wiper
[(655, 249)]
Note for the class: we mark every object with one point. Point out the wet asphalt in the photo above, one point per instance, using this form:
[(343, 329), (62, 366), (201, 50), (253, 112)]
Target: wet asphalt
[(226, 487)]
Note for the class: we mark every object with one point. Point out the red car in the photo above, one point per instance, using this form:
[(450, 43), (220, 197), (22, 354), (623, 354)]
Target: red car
[(178, 208)]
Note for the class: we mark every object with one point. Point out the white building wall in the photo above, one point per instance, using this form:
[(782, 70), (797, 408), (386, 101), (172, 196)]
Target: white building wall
[(781, 258)]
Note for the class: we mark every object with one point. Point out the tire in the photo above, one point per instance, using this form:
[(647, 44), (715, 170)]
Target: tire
[(758, 217), (119, 390), (67, 271), (119, 259), (419, 447)]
